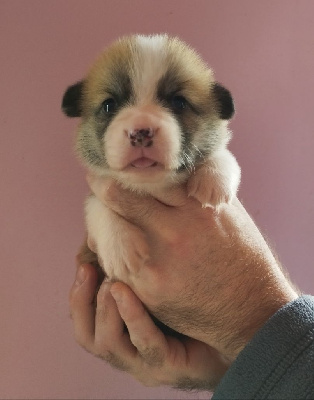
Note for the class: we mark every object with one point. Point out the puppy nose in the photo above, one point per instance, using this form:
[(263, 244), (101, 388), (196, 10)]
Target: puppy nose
[(141, 137)]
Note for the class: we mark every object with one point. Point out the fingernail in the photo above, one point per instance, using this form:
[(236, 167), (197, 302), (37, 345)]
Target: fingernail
[(80, 276), (112, 191), (116, 295)]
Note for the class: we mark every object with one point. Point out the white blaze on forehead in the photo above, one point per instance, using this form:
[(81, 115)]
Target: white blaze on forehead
[(150, 65)]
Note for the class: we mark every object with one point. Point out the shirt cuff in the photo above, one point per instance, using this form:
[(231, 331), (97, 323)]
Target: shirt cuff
[(278, 363)]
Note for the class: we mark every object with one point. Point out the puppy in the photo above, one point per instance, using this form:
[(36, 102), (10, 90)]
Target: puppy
[(152, 116)]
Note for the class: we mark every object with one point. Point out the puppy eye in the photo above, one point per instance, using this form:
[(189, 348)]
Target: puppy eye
[(109, 105), (179, 103)]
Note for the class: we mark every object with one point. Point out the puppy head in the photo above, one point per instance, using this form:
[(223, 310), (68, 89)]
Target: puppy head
[(150, 111)]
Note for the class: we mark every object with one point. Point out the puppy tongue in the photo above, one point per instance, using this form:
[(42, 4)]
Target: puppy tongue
[(143, 162)]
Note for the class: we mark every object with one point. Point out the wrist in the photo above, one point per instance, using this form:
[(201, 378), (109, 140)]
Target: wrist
[(250, 318)]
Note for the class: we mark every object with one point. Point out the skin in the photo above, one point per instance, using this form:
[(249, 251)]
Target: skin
[(206, 273)]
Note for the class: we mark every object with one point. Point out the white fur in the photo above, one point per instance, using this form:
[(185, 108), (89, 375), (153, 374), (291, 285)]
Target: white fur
[(112, 236), (149, 66)]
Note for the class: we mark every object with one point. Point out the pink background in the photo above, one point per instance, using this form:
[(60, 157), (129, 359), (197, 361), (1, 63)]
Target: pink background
[(262, 50)]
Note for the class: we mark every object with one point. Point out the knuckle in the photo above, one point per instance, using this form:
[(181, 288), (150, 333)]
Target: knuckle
[(102, 297), (153, 357), (101, 313), (102, 353), (112, 359)]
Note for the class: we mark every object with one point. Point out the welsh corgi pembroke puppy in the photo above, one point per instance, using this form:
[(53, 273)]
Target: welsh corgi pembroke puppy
[(152, 116)]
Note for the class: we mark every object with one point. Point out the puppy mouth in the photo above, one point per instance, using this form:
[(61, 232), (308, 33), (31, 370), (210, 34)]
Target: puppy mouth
[(144, 163)]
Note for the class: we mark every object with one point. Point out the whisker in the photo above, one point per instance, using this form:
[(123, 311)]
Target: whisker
[(188, 162), (201, 155)]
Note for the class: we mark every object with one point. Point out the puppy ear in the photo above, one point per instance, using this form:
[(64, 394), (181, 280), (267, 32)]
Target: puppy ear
[(71, 102), (224, 101)]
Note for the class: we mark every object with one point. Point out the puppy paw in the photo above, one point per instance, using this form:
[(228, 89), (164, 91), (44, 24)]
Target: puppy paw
[(216, 181), (209, 189)]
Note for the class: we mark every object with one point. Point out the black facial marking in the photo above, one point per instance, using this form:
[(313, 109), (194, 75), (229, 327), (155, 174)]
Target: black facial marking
[(92, 156), (168, 84), (119, 94), (195, 118), (71, 102), (89, 147), (224, 101), (120, 85), (170, 93)]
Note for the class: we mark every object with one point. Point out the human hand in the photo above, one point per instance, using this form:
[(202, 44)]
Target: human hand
[(142, 350), (209, 275)]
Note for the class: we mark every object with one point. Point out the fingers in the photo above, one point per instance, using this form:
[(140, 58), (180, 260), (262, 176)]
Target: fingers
[(99, 328), (133, 206), (161, 360), (81, 304), (111, 342), (143, 351), (149, 341)]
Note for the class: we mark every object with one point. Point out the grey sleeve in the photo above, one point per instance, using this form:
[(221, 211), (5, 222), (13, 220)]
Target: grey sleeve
[(278, 363)]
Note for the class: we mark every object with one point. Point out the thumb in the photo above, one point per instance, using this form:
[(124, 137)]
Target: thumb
[(133, 205)]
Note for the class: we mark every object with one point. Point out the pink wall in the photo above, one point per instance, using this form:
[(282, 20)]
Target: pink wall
[(263, 51)]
